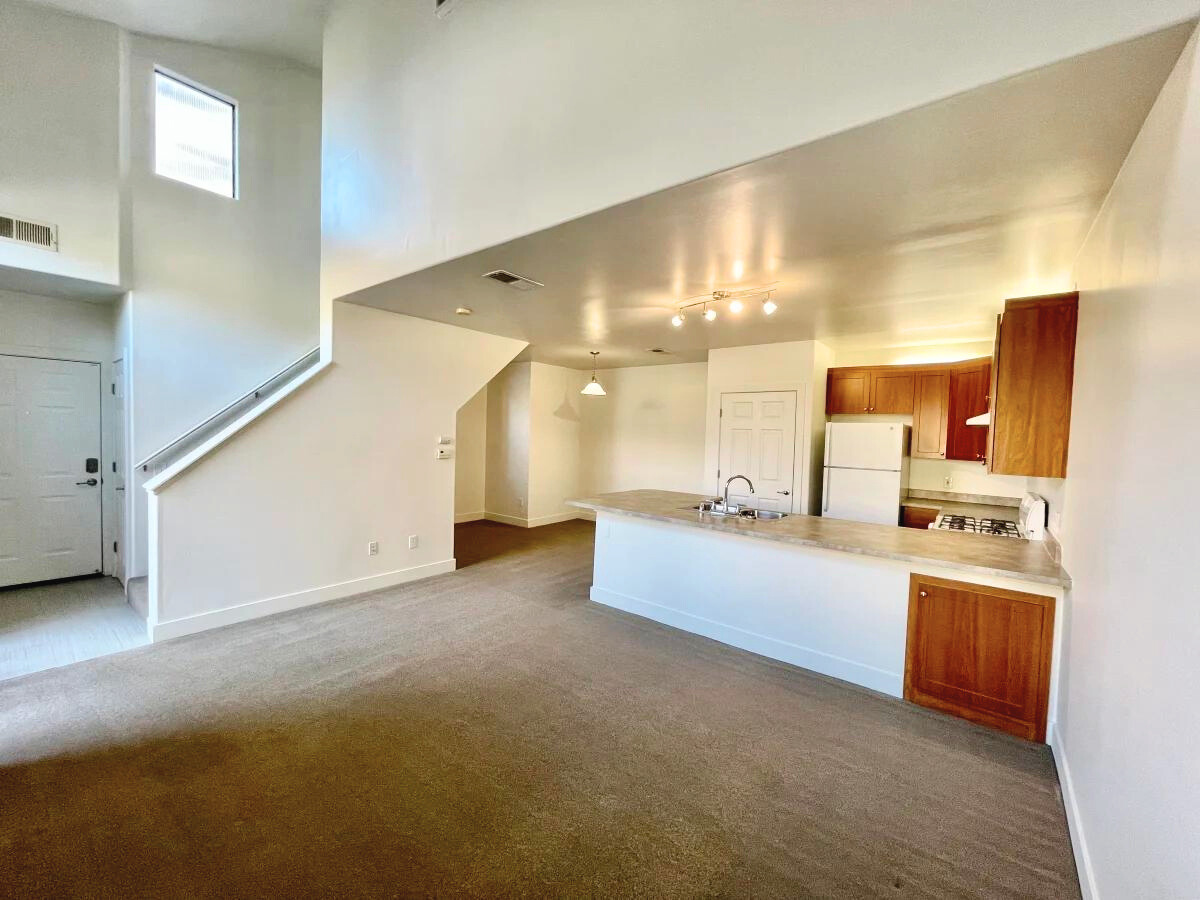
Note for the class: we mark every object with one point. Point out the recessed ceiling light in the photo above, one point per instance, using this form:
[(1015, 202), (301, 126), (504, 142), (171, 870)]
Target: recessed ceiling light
[(463, 311)]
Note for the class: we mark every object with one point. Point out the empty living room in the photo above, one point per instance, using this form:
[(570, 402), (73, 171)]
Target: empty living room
[(517, 448)]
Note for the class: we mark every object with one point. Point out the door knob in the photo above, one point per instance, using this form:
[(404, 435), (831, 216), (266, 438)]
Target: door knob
[(785, 493), (91, 482)]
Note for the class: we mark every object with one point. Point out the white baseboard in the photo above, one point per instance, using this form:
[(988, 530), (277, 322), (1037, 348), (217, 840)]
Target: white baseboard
[(521, 522), (256, 609), (459, 518), (1083, 860), (891, 683), (506, 520)]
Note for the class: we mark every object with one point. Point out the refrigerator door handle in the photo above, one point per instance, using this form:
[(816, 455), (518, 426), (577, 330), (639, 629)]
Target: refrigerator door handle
[(825, 492)]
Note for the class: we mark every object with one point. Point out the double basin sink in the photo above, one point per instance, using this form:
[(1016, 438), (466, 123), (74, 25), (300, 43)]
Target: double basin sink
[(737, 511)]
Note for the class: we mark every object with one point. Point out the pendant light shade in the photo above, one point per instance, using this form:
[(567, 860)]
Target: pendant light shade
[(593, 388)]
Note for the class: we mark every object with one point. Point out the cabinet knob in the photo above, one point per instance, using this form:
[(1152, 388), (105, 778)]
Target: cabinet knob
[(923, 594), (865, 409)]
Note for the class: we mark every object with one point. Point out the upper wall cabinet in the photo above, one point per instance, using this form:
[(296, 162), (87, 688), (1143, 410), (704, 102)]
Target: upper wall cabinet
[(931, 414), (969, 386), (1031, 386), (848, 391), (876, 389)]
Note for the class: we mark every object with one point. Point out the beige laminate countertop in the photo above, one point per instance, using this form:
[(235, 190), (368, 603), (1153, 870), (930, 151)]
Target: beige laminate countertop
[(1005, 557)]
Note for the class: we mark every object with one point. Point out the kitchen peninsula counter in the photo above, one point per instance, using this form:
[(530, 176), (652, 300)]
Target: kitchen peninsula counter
[(969, 553)]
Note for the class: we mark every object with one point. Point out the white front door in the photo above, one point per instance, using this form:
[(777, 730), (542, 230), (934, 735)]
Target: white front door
[(49, 502), (758, 440)]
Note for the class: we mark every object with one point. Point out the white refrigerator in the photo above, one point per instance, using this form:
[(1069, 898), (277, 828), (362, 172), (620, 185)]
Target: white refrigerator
[(866, 471)]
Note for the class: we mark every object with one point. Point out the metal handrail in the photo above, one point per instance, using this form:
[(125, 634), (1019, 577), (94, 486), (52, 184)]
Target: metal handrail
[(226, 413)]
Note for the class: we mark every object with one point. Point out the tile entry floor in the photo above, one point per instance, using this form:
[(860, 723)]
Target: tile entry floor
[(54, 624)]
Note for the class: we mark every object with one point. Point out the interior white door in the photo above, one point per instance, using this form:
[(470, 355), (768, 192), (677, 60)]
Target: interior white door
[(758, 440), (49, 502)]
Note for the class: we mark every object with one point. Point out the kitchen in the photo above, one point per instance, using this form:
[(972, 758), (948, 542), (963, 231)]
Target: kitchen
[(948, 600)]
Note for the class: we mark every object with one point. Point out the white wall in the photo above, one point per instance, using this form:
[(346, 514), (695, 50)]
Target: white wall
[(790, 365), (648, 432), (508, 435), (59, 143), (285, 510), (77, 330), (444, 136), (225, 292), (912, 356), (1129, 727), (470, 458), (555, 415)]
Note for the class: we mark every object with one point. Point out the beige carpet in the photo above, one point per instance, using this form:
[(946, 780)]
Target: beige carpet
[(490, 733)]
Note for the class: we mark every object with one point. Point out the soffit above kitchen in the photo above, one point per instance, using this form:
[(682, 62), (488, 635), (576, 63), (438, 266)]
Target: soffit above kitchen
[(908, 231)]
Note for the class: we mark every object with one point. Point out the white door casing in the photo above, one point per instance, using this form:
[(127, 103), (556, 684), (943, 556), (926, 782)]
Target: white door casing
[(117, 470), (758, 440), (49, 426)]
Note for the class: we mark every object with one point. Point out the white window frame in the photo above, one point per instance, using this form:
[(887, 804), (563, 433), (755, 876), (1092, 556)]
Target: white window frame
[(216, 95)]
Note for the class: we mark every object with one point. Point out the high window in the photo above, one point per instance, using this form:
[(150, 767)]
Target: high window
[(195, 136)]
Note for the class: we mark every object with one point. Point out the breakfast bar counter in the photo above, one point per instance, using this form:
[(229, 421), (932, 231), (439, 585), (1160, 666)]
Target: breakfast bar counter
[(968, 553), (829, 595)]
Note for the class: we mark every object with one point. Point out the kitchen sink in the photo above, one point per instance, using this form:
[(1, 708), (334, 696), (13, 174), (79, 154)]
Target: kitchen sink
[(715, 508)]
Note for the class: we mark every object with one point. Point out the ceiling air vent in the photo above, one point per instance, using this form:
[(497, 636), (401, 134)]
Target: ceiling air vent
[(659, 350), (443, 8), (22, 231), (516, 282)]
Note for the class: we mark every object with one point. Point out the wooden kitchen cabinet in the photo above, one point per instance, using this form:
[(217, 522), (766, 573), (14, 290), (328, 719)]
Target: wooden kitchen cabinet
[(872, 389), (892, 390), (917, 516), (980, 653), (931, 414), (1032, 376), (969, 385), (848, 391)]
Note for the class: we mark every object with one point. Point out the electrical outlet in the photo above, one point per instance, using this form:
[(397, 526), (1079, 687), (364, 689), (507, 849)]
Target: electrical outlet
[(413, 541), (372, 548), (948, 481)]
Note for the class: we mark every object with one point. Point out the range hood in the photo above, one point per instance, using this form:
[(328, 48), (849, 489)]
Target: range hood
[(982, 419)]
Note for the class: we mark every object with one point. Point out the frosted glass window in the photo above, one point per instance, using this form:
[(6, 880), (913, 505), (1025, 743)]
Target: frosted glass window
[(195, 137)]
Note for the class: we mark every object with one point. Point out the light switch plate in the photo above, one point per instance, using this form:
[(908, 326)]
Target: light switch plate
[(413, 541)]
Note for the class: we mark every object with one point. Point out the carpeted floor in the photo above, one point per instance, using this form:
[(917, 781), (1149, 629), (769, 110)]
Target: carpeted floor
[(490, 733)]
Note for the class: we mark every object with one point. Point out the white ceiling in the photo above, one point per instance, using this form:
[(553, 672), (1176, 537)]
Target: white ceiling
[(288, 28), (908, 231)]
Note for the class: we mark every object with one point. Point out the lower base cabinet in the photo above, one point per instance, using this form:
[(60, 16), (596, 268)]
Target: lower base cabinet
[(980, 653)]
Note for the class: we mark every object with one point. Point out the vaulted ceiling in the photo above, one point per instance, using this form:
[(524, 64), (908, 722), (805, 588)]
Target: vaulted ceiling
[(288, 28), (907, 231)]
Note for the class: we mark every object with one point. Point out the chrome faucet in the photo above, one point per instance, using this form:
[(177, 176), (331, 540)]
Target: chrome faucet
[(732, 479)]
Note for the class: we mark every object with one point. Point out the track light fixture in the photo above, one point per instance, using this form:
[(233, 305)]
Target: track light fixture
[(736, 300)]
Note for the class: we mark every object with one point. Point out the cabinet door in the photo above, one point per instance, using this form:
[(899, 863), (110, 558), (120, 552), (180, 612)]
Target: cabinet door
[(968, 398), (848, 391), (892, 391), (1035, 367), (931, 413), (918, 516), (980, 653)]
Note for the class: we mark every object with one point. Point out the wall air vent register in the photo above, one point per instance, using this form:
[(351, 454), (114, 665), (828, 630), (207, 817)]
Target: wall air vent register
[(23, 231)]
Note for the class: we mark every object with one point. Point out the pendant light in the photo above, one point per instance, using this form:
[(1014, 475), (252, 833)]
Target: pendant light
[(593, 388)]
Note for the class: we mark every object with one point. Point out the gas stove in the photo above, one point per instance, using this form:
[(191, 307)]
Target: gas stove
[(984, 525)]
